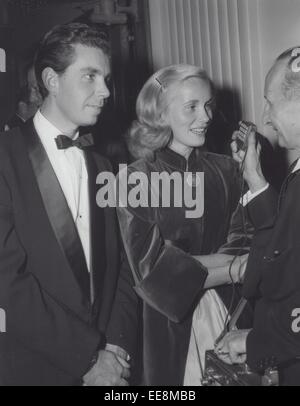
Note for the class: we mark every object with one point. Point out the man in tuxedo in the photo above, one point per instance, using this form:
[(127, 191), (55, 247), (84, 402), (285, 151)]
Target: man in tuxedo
[(272, 275), (58, 250)]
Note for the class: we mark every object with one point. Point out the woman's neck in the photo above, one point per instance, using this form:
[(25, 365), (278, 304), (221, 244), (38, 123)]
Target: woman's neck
[(183, 151)]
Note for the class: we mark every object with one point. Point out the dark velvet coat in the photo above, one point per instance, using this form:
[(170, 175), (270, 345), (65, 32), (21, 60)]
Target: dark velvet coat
[(160, 242), (53, 326)]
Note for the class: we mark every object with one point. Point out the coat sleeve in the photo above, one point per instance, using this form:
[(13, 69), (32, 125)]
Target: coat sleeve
[(262, 210), (166, 278), (123, 326), (240, 230), (33, 316)]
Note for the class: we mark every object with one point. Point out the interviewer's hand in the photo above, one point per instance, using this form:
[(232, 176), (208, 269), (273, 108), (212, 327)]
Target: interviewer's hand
[(232, 348), (108, 371), (249, 162)]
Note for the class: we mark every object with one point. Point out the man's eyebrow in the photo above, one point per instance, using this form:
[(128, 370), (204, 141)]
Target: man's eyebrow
[(91, 70), (191, 101), (107, 75), (211, 100)]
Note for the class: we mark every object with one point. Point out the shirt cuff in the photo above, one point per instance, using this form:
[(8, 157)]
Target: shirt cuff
[(118, 351), (250, 196)]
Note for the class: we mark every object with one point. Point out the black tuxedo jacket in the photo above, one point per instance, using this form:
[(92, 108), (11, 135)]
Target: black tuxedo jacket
[(56, 311), (273, 277)]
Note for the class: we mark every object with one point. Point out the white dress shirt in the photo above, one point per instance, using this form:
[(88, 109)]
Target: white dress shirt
[(70, 169), (297, 167)]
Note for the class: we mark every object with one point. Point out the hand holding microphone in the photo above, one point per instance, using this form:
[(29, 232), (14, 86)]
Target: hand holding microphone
[(246, 151)]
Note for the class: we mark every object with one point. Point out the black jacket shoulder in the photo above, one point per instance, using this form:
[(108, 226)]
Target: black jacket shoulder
[(9, 144)]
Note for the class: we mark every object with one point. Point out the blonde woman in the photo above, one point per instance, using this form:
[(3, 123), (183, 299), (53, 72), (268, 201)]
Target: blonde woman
[(177, 260)]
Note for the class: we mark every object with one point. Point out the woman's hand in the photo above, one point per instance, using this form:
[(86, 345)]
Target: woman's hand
[(223, 269), (238, 268), (249, 162), (214, 260)]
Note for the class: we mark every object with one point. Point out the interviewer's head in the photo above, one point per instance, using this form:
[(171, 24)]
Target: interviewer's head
[(282, 95)]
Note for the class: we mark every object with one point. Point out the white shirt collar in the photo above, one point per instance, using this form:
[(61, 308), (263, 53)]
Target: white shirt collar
[(46, 130), (297, 167)]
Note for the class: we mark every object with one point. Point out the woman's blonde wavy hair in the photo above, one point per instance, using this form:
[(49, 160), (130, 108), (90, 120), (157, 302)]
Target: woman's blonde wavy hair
[(149, 132)]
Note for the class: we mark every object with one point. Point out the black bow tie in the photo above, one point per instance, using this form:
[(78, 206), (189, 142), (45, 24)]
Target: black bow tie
[(64, 142)]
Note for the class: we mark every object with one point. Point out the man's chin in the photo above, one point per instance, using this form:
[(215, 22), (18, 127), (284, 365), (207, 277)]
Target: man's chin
[(90, 121)]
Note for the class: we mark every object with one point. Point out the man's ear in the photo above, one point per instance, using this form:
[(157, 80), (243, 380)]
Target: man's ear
[(50, 80)]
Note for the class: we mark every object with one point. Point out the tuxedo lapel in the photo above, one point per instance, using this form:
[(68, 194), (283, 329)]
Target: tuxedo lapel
[(57, 208)]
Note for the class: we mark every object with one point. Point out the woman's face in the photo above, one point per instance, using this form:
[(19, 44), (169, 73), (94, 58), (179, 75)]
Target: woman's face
[(189, 114)]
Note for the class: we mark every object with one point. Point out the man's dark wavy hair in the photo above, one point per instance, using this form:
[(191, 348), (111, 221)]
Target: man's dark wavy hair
[(56, 50)]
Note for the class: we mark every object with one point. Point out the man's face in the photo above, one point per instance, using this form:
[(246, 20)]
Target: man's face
[(81, 89), (281, 114)]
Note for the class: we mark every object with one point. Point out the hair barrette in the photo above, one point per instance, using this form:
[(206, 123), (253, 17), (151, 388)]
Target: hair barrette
[(158, 83), (295, 61)]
